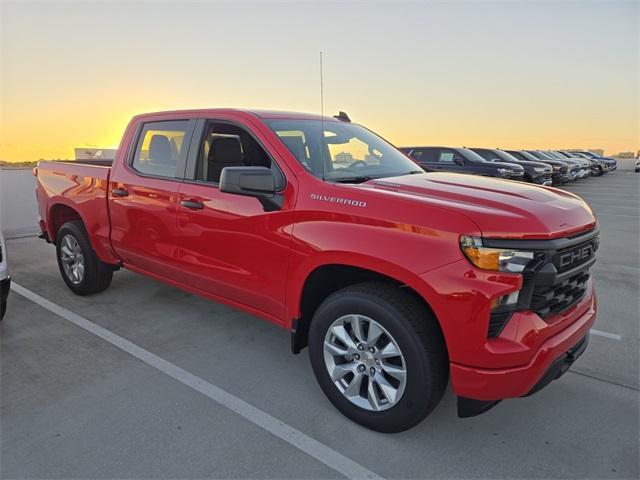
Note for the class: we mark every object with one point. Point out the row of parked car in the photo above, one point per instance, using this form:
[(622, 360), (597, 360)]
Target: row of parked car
[(544, 167)]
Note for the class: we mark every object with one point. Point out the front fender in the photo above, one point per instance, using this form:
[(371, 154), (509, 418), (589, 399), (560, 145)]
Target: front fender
[(299, 274)]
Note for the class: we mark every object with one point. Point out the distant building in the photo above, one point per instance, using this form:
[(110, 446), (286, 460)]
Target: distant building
[(371, 159), (89, 153), (624, 155), (343, 157), (598, 151)]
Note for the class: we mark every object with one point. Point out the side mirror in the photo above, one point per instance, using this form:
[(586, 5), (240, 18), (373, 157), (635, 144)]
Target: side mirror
[(258, 182), (458, 161)]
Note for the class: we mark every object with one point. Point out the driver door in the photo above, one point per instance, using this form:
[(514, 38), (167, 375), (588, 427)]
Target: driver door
[(230, 247)]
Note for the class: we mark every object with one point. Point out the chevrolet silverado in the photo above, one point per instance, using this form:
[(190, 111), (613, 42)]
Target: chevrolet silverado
[(395, 279)]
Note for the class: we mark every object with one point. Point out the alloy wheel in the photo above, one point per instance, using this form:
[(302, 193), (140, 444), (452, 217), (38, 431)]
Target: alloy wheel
[(365, 362), (72, 259)]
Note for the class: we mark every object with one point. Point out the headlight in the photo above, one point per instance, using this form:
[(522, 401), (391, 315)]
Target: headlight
[(504, 171), (498, 259)]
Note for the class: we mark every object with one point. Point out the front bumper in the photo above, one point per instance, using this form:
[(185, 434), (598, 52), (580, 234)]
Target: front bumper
[(469, 407), (504, 352), (544, 179), (512, 176), (490, 385), (559, 178)]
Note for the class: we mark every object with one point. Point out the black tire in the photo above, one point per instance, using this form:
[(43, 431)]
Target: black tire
[(418, 335), (97, 274), (3, 309)]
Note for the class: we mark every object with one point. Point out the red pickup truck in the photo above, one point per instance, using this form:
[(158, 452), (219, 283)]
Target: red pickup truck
[(396, 279)]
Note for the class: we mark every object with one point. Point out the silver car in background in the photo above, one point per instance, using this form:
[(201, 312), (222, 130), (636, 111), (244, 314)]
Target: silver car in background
[(5, 280)]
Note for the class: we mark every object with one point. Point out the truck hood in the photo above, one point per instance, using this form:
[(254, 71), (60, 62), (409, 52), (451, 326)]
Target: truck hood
[(500, 208)]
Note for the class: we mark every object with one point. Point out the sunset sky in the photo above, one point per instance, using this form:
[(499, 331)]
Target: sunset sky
[(495, 74)]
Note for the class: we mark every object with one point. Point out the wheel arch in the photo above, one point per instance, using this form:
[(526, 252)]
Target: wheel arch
[(59, 214), (326, 278), (61, 210)]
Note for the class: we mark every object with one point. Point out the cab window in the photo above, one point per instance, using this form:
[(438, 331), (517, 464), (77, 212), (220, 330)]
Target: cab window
[(226, 145), (160, 147)]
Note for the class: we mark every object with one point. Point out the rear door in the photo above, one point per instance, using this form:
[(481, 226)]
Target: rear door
[(143, 195)]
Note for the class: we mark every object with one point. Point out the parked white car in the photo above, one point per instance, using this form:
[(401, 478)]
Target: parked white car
[(5, 280)]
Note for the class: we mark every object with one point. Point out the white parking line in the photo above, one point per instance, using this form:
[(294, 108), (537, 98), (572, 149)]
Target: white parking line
[(604, 214), (295, 438), (612, 336)]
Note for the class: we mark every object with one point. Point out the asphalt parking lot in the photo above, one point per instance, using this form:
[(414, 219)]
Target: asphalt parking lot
[(156, 388)]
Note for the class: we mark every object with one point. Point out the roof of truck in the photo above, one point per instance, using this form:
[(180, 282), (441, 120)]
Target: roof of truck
[(271, 114)]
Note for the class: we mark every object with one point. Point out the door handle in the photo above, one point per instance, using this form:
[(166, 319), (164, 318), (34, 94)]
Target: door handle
[(192, 204), (119, 192)]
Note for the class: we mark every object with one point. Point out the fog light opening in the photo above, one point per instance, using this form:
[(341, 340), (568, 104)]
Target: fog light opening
[(505, 300)]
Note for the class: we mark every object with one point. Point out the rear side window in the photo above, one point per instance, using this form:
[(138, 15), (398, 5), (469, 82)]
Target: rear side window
[(160, 146), (423, 155), (448, 156)]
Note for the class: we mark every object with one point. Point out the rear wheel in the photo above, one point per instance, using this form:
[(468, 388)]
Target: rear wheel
[(82, 271), (379, 356)]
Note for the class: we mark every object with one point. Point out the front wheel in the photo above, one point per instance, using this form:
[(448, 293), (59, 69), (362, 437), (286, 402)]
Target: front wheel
[(81, 269), (379, 356)]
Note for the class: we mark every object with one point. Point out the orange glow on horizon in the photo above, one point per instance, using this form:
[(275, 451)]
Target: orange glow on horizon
[(70, 81)]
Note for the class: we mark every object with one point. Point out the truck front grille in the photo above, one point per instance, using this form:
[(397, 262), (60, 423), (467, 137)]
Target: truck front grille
[(571, 257), (553, 281), (546, 301)]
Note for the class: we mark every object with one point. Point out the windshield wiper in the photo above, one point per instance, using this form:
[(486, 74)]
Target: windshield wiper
[(366, 178), (358, 179)]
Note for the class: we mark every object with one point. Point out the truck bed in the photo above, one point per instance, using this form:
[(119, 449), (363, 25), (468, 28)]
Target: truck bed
[(64, 188), (90, 168)]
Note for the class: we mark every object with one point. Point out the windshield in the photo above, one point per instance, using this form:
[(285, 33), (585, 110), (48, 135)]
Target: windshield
[(341, 152), (471, 155), (507, 157), (528, 156), (541, 155)]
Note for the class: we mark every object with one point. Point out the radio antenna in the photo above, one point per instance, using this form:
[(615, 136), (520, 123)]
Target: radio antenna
[(322, 120)]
